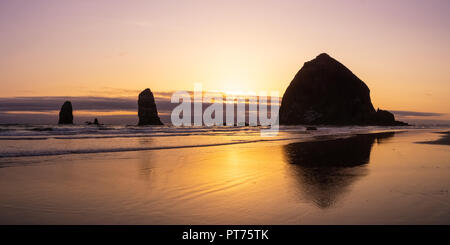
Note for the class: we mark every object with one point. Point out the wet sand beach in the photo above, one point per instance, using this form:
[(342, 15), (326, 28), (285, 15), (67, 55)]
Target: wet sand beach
[(443, 140), (379, 178)]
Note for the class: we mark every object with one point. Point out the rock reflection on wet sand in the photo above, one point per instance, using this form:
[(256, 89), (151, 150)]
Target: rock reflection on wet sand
[(327, 168)]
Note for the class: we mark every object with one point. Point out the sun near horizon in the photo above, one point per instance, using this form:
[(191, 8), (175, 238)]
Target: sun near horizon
[(113, 49)]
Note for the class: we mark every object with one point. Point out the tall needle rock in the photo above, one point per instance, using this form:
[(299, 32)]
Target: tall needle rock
[(65, 114), (147, 112)]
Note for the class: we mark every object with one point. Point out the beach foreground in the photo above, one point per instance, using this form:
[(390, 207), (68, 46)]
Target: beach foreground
[(351, 178)]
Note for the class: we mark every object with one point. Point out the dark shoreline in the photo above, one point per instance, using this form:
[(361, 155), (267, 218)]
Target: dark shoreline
[(444, 140)]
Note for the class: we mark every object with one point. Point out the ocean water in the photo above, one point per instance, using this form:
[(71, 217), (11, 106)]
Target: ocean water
[(50, 140), (225, 175)]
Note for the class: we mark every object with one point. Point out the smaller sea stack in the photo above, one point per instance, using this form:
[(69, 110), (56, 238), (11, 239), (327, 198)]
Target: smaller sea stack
[(65, 114), (147, 112)]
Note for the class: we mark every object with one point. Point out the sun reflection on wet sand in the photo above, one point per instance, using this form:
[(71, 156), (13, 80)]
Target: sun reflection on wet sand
[(368, 179)]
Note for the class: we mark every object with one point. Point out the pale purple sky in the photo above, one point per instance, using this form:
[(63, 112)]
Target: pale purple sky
[(81, 48)]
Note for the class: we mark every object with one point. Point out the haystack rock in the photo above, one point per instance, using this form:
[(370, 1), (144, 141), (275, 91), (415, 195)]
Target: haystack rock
[(326, 92), (65, 114), (148, 115)]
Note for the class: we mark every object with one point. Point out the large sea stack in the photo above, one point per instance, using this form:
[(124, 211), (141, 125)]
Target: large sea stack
[(65, 114), (326, 92), (148, 115)]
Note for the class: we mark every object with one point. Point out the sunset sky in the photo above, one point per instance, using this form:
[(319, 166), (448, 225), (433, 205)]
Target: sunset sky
[(400, 49)]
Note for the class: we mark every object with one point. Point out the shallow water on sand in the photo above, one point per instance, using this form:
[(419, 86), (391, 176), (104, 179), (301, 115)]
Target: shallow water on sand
[(322, 177), (49, 140)]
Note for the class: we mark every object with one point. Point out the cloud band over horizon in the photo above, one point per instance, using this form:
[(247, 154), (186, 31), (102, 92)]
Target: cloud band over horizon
[(120, 110)]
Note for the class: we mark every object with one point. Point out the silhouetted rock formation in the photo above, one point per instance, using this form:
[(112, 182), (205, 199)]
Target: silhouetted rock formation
[(65, 114), (95, 122), (326, 92), (326, 169), (148, 115)]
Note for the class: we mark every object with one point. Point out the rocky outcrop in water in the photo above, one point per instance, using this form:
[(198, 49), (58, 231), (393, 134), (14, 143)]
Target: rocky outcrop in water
[(326, 92), (95, 122), (147, 112), (65, 114)]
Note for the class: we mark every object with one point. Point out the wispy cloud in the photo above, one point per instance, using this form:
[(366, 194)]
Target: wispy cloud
[(93, 103), (54, 103), (416, 114)]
